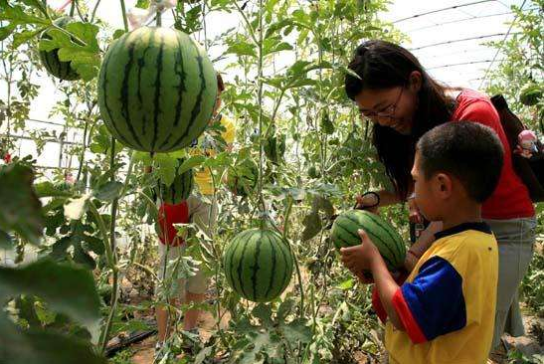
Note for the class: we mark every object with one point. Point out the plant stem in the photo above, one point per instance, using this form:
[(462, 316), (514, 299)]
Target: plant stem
[(260, 103), (83, 147), (115, 275), (248, 23), (95, 9), (288, 210), (72, 8), (159, 19), (104, 232), (124, 13)]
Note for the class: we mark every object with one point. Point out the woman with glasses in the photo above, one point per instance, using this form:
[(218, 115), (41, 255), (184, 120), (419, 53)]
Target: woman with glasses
[(403, 102)]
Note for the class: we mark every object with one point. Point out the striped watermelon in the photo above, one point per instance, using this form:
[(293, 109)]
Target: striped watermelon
[(50, 59), (156, 89), (258, 264), (384, 236), (179, 190)]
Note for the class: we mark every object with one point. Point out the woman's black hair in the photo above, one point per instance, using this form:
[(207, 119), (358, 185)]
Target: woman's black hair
[(381, 65)]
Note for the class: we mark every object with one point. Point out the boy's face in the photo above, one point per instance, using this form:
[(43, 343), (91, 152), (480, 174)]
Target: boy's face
[(432, 193)]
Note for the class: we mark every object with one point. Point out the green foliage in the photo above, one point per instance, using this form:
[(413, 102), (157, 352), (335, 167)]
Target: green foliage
[(78, 45), (20, 206)]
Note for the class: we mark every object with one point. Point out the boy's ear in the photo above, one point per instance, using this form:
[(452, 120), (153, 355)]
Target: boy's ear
[(443, 185)]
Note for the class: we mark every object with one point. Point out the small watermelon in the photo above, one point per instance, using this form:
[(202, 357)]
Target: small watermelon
[(242, 179), (383, 235), (258, 264), (156, 89), (180, 189), (312, 172), (50, 59), (530, 94)]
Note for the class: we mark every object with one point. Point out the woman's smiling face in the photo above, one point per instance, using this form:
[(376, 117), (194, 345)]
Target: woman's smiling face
[(392, 107)]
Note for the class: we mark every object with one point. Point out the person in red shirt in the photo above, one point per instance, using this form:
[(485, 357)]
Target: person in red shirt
[(403, 101)]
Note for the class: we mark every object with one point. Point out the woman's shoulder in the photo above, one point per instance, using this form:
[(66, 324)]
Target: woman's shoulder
[(471, 103)]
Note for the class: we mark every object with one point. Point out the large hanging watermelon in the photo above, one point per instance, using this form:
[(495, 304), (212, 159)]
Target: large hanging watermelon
[(50, 59), (180, 189), (384, 236), (258, 264), (156, 89)]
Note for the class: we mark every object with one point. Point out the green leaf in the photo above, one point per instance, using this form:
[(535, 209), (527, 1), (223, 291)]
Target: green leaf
[(264, 313), (320, 203), (142, 4), (297, 332), (274, 45), (94, 244), (346, 285), (16, 15), (37, 4), (48, 189), (108, 191), (191, 162), (312, 226), (118, 33), (349, 72), (242, 48), (20, 208), (6, 31), (298, 68), (81, 49), (272, 28), (37, 346), (326, 124), (25, 305), (285, 309), (165, 168), (83, 258), (68, 290)]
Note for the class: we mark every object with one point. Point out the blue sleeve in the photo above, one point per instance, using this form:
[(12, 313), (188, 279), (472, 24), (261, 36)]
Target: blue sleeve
[(434, 301)]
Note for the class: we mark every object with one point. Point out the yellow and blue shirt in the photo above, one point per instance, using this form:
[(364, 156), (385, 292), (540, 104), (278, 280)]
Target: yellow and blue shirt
[(205, 145), (447, 304)]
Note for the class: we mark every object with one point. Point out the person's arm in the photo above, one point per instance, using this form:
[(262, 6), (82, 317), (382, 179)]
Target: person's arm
[(386, 198), (367, 257), (424, 242), (386, 287)]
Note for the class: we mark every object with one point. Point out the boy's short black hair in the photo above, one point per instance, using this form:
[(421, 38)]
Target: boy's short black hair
[(470, 151)]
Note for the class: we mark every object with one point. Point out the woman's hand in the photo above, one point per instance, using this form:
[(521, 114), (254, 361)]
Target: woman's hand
[(414, 214), (368, 202), (426, 239)]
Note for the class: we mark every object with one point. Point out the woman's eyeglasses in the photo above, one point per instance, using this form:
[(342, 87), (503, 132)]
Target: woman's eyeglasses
[(388, 112)]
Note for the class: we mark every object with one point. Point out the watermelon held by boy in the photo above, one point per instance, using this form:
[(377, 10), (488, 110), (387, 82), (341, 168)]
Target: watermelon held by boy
[(51, 61), (345, 228), (258, 264), (156, 89)]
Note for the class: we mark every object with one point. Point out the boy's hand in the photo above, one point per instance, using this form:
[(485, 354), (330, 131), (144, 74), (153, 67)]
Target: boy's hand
[(359, 258)]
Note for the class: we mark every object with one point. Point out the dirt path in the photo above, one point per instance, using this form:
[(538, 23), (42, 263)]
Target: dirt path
[(143, 352)]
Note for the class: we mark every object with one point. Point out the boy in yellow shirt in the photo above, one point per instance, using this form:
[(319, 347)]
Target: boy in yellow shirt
[(444, 312)]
